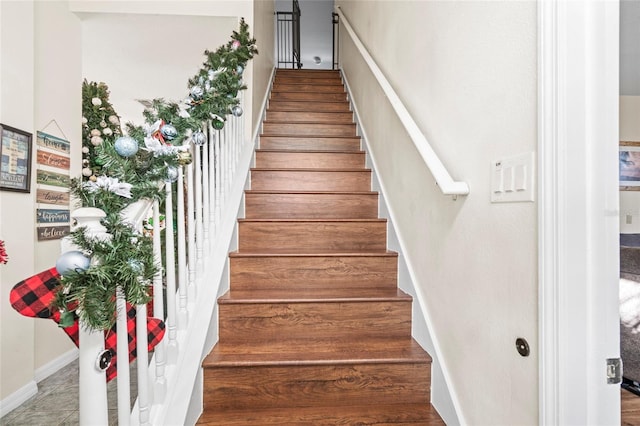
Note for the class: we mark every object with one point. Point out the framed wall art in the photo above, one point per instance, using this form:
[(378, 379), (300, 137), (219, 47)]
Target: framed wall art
[(629, 163), (15, 152)]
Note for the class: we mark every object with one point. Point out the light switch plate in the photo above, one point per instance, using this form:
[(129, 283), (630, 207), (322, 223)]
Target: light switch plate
[(512, 179)]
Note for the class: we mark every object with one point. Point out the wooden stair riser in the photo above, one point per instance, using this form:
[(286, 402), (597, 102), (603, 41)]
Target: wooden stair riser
[(311, 205), (309, 160), (307, 73), (310, 143), (308, 96), (280, 322), (308, 80), (301, 106), (345, 117), (322, 385), (301, 237), (308, 129), (311, 180), (317, 87), (313, 272)]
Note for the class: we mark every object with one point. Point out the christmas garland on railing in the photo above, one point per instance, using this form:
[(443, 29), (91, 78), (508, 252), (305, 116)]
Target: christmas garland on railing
[(121, 169)]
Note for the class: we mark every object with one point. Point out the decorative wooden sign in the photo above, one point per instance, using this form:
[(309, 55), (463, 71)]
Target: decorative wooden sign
[(52, 215), (46, 233), (54, 179), (53, 142), (46, 196), (53, 160)]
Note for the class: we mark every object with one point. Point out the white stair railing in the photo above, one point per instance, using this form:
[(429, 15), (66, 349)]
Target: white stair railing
[(165, 384)]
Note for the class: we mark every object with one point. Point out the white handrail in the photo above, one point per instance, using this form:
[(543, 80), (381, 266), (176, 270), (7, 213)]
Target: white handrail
[(443, 179)]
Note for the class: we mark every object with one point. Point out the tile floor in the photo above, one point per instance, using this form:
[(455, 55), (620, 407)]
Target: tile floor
[(56, 402)]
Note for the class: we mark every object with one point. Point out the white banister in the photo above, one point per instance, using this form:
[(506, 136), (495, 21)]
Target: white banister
[(444, 180), (205, 188), (191, 229), (198, 201), (142, 351), (122, 349)]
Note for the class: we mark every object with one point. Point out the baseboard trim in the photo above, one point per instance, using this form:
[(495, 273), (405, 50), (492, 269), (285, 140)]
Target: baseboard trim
[(56, 364), (17, 398)]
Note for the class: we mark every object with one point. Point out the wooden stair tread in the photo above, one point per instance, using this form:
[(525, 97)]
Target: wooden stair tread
[(288, 169), (329, 295), (385, 253), (312, 220), (310, 151), (275, 191), (317, 352), (378, 415)]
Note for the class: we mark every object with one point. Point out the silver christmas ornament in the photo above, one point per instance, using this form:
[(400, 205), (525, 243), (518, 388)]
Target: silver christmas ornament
[(239, 69), (126, 146), (199, 138), (237, 111), (169, 131), (72, 261), (103, 124), (197, 92), (172, 174)]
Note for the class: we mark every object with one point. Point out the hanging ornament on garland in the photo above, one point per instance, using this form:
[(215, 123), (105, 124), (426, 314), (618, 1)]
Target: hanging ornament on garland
[(235, 44), (126, 146), (239, 69), (237, 111), (169, 131), (218, 124), (184, 158), (96, 102), (72, 261), (96, 140), (107, 132), (87, 172), (197, 93), (199, 138), (172, 174)]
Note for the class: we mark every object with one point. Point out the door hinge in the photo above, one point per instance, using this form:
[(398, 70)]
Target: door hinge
[(614, 370)]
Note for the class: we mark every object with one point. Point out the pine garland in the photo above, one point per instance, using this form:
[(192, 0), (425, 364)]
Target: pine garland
[(126, 260)]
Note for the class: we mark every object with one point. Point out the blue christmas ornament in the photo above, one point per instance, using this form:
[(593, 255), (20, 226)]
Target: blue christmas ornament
[(237, 111), (172, 174), (169, 131), (199, 138), (72, 261), (126, 146), (239, 69), (136, 266), (197, 93)]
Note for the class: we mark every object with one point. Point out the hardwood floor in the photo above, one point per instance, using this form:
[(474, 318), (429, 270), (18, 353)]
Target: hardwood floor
[(630, 408)]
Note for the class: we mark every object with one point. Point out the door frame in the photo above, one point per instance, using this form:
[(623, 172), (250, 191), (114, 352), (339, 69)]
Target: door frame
[(578, 216)]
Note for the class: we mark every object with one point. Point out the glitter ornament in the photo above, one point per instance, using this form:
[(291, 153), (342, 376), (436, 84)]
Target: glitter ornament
[(169, 131), (235, 45), (87, 172), (172, 174), (96, 141), (95, 132), (93, 178), (197, 92), (85, 150), (72, 261), (84, 120), (85, 162), (184, 158), (237, 111), (218, 124), (96, 101), (199, 138), (99, 161), (107, 131), (136, 266), (239, 69), (126, 146), (103, 124), (113, 119)]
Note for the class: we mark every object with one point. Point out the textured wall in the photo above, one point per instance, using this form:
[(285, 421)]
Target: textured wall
[(466, 71)]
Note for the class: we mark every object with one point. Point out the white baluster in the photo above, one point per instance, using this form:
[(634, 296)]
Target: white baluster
[(198, 193), (191, 231), (183, 315), (160, 386), (218, 179), (205, 190), (142, 353), (213, 135), (172, 343), (122, 348)]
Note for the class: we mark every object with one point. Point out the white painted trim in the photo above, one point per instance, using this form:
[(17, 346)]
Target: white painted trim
[(450, 417), (444, 180), (18, 398), (578, 210), (56, 364)]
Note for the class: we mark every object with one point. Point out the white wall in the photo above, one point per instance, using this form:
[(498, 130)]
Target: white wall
[(263, 63), (467, 73), (630, 48), (40, 74), (630, 131)]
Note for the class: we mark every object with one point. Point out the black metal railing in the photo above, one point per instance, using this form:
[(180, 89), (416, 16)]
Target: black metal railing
[(335, 43), (288, 37)]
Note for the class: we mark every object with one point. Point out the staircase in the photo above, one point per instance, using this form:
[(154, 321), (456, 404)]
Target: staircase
[(314, 330)]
